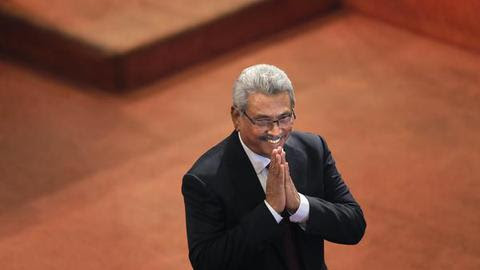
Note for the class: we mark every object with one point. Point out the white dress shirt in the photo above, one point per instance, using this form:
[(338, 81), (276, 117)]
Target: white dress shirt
[(260, 164)]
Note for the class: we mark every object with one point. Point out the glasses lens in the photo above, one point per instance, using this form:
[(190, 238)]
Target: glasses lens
[(263, 122), (285, 121)]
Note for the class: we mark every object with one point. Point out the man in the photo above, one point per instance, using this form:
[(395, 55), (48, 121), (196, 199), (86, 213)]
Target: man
[(266, 197)]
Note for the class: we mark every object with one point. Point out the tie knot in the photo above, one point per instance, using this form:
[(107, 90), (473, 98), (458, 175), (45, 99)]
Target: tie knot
[(285, 214)]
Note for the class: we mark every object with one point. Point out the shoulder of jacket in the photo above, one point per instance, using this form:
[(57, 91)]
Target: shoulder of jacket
[(307, 139), (209, 162)]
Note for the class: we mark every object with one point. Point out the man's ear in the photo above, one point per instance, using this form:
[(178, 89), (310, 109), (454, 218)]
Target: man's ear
[(235, 114)]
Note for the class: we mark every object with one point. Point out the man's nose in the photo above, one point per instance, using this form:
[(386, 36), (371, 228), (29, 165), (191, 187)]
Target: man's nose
[(274, 129)]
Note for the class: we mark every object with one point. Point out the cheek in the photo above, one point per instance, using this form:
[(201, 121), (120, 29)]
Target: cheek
[(252, 136)]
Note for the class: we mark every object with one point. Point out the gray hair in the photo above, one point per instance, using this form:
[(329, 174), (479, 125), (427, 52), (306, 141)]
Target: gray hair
[(261, 78)]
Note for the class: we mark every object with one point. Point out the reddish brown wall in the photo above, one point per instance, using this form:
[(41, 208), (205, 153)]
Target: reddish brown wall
[(454, 21)]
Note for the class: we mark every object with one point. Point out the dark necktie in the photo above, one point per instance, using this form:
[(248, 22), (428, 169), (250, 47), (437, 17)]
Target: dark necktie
[(290, 248)]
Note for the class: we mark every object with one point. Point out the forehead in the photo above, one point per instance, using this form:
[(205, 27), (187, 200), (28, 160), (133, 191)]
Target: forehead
[(268, 105)]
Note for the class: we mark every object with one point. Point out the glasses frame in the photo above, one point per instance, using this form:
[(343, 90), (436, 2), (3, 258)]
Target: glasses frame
[(272, 122)]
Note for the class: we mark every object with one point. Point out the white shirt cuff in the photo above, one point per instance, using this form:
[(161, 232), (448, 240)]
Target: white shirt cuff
[(275, 215), (303, 211)]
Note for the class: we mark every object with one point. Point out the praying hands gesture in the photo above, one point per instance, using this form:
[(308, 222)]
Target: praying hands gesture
[(281, 193)]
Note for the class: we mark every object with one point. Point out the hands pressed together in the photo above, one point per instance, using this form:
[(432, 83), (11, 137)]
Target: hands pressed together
[(281, 193)]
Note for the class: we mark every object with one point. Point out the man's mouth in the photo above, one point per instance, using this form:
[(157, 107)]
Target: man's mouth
[(273, 140)]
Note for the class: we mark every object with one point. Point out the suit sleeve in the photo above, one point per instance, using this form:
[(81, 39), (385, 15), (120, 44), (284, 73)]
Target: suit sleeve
[(336, 216), (211, 244)]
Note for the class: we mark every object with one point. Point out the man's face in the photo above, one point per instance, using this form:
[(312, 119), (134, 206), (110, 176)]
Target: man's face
[(262, 140)]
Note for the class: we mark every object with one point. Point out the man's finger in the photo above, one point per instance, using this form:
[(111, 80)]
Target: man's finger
[(277, 168), (287, 173), (273, 162), (282, 174)]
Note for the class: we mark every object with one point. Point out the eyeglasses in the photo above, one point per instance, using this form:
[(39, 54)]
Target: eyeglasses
[(282, 121)]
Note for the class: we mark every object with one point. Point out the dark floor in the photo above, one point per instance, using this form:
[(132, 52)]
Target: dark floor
[(91, 180)]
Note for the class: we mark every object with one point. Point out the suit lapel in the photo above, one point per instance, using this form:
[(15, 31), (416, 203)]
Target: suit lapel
[(248, 190), (297, 163)]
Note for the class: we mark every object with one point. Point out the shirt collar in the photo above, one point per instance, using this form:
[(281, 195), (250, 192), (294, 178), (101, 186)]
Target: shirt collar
[(259, 162)]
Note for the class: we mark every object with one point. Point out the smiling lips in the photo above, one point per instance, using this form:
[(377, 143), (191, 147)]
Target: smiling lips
[(274, 140)]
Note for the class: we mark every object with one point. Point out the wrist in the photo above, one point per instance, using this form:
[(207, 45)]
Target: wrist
[(275, 205), (295, 205)]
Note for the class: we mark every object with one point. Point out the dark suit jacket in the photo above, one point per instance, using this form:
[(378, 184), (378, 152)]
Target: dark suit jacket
[(230, 227)]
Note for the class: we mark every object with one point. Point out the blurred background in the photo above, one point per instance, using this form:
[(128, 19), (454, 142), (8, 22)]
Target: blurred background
[(105, 104)]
